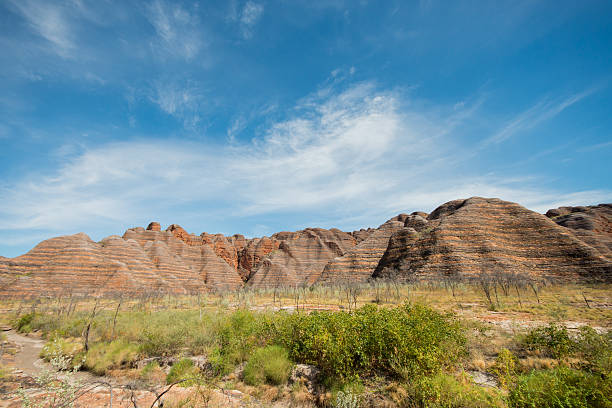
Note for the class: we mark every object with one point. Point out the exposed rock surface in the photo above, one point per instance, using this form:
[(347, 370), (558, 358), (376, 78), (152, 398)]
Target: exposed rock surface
[(591, 224), (467, 237), (463, 237), (301, 256), (359, 262)]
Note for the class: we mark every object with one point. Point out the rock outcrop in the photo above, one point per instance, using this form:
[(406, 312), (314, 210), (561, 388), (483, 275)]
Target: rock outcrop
[(359, 262), (592, 225), (301, 257), (459, 238), (468, 237), (76, 264)]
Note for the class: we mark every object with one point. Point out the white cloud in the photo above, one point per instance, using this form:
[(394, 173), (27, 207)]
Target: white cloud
[(50, 22), (542, 111), (249, 16), (359, 154), (181, 100), (178, 32)]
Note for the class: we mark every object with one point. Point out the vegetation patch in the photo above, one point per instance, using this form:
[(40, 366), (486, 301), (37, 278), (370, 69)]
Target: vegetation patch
[(446, 391), (561, 387), (551, 340), (268, 364), (404, 341), (66, 353), (184, 370), (102, 357)]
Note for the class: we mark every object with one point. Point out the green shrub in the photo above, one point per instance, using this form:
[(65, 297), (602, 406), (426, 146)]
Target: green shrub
[(505, 368), (102, 357), (23, 324), (596, 350), (561, 387), (269, 364), (406, 341), (446, 391), (550, 340), (237, 335), (184, 369), (69, 351)]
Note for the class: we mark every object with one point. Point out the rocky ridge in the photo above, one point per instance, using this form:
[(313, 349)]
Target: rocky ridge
[(461, 237), (468, 237)]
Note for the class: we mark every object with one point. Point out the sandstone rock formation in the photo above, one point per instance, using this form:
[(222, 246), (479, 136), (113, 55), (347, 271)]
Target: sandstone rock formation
[(359, 262), (76, 264), (301, 257), (591, 224), (467, 237), (461, 237)]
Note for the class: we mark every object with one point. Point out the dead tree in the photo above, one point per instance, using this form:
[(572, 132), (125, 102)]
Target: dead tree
[(88, 327), (115, 317)]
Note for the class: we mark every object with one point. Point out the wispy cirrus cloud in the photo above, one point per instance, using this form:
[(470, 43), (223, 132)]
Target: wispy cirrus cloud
[(179, 32), (50, 22), (543, 110), (181, 99), (246, 16), (358, 155)]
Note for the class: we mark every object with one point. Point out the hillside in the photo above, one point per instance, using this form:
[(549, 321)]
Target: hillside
[(461, 237)]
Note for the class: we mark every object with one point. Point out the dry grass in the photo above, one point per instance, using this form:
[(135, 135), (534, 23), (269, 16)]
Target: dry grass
[(488, 330)]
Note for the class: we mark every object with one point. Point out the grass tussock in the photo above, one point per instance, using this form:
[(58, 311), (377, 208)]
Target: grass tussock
[(268, 364), (103, 357)]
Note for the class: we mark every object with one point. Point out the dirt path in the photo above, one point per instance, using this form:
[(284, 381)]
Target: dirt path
[(27, 358), (25, 363)]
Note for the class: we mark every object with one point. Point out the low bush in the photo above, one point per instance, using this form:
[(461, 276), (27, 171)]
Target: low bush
[(268, 364), (549, 340), (561, 387), (596, 350), (505, 368), (405, 341), (69, 351), (102, 357), (23, 323), (446, 391), (237, 335), (183, 370)]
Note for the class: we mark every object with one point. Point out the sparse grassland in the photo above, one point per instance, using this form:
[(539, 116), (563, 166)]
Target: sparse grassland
[(425, 344)]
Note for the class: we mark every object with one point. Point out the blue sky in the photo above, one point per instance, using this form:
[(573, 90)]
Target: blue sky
[(259, 116)]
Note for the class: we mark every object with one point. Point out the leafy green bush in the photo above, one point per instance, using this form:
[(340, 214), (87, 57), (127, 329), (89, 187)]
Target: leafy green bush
[(102, 357), (269, 364), (406, 341), (184, 369), (237, 335), (561, 387), (505, 368), (551, 340), (596, 350), (446, 391), (69, 350), (23, 324)]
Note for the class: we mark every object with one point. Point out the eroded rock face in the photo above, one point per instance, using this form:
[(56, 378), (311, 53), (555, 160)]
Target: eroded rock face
[(301, 257), (142, 261), (154, 226), (467, 237), (359, 262), (592, 224), (75, 264), (461, 237)]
